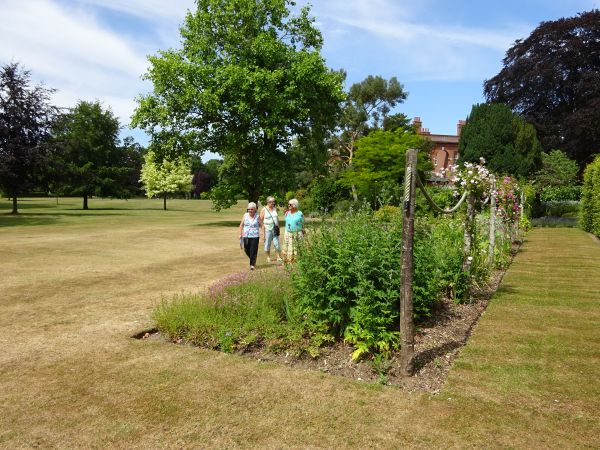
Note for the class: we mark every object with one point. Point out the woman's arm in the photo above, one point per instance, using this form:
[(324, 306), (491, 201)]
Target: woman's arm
[(242, 227), (261, 219)]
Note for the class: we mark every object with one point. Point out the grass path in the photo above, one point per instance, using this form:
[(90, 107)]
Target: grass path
[(75, 287)]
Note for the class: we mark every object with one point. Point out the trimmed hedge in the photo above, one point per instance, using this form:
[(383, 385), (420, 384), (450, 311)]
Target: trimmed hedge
[(590, 198)]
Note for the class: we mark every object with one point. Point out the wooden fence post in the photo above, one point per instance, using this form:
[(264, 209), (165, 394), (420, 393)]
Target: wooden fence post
[(407, 328), (492, 223)]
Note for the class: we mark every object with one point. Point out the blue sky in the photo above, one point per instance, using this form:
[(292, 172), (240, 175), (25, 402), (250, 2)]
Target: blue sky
[(441, 51)]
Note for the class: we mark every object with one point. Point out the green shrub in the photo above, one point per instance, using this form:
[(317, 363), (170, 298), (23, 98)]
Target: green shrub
[(589, 218), (347, 280), (560, 208), (325, 192), (388, 213), (442, 197), (561, 193), (347, 276)]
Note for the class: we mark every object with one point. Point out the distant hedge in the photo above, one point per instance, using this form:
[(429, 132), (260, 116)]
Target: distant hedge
[(590, 198)]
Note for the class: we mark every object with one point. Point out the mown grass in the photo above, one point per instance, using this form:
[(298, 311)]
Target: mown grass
[(76, 288)]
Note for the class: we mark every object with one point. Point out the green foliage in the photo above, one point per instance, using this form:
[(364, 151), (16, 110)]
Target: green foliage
[(561, 193), (234, 314), (558, 170), (381, 157), (166, 176), (88, 153), (502, 138), (589, 218), (248, 79), (26, 116), (552, 79), (347, 279), (347, 276), (444, 197), (325, 192)]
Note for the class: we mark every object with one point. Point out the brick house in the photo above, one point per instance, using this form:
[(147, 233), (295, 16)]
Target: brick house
[(445, 150)]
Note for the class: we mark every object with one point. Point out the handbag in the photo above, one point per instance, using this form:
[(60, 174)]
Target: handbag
[(276, 230)]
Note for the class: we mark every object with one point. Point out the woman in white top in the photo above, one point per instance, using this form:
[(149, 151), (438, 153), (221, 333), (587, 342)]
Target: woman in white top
[(270, 225), (249, 232)]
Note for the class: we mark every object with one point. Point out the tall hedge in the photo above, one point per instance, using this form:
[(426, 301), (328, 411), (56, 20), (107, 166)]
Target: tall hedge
[(590, 198)]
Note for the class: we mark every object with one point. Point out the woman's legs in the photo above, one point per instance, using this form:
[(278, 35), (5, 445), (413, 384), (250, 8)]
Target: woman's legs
[(251, 248), (268, 240)]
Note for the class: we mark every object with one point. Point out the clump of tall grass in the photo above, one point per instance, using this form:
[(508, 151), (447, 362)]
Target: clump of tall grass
[(236, 313)]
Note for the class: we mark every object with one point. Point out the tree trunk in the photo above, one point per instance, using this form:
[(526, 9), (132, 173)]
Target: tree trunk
[(14, 205), (253, 194), (165, 201), (85, 201), (407, 328)]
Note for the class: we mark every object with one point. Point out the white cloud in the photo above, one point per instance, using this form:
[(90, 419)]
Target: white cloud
[(69, 50), (403, 34), (154, 10)]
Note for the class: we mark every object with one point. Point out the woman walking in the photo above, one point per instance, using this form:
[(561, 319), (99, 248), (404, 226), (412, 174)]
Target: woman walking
[(270, 226), (294, 230), (249, 233)]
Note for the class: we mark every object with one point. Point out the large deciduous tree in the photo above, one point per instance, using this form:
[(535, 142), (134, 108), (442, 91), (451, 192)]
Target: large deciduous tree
[(248, 79), (508, 144), (87, 145), (26, 117), (552, 79), (366, 107)]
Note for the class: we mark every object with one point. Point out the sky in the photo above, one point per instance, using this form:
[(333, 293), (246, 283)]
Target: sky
[(441, 51)]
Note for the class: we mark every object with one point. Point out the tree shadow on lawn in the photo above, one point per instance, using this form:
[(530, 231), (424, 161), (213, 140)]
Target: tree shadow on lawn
[(33, 219), (222, 223), (21, 219)]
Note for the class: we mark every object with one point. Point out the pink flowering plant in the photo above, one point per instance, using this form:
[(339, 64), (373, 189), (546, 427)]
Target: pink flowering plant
[(507, 200)]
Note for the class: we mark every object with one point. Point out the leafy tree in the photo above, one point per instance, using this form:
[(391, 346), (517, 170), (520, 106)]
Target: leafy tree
[(507, 142), (557, 170), (26, 117), (88, 147), (248, 79), (366, 107), (552, 79), (165, 177), (380, 160), (132, 158)]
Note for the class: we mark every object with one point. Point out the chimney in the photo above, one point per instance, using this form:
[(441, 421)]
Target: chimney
[(459, 126), (417, 124)]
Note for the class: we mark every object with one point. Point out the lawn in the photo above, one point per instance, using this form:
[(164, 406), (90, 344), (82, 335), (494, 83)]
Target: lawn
[(76, 285)]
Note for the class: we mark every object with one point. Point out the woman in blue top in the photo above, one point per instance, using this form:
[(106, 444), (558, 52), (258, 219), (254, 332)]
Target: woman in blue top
[(249, 233), (294, 230)]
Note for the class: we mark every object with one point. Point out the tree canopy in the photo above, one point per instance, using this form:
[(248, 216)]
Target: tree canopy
[(381, 159), (248, 79), (552, 79), (167, 176), (26, 116), (508, 144), (366, 108), (87, 138)]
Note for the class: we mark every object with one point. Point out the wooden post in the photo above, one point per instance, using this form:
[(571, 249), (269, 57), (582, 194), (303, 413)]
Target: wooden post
[(469, 230), (492, 223), (407, 328)]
